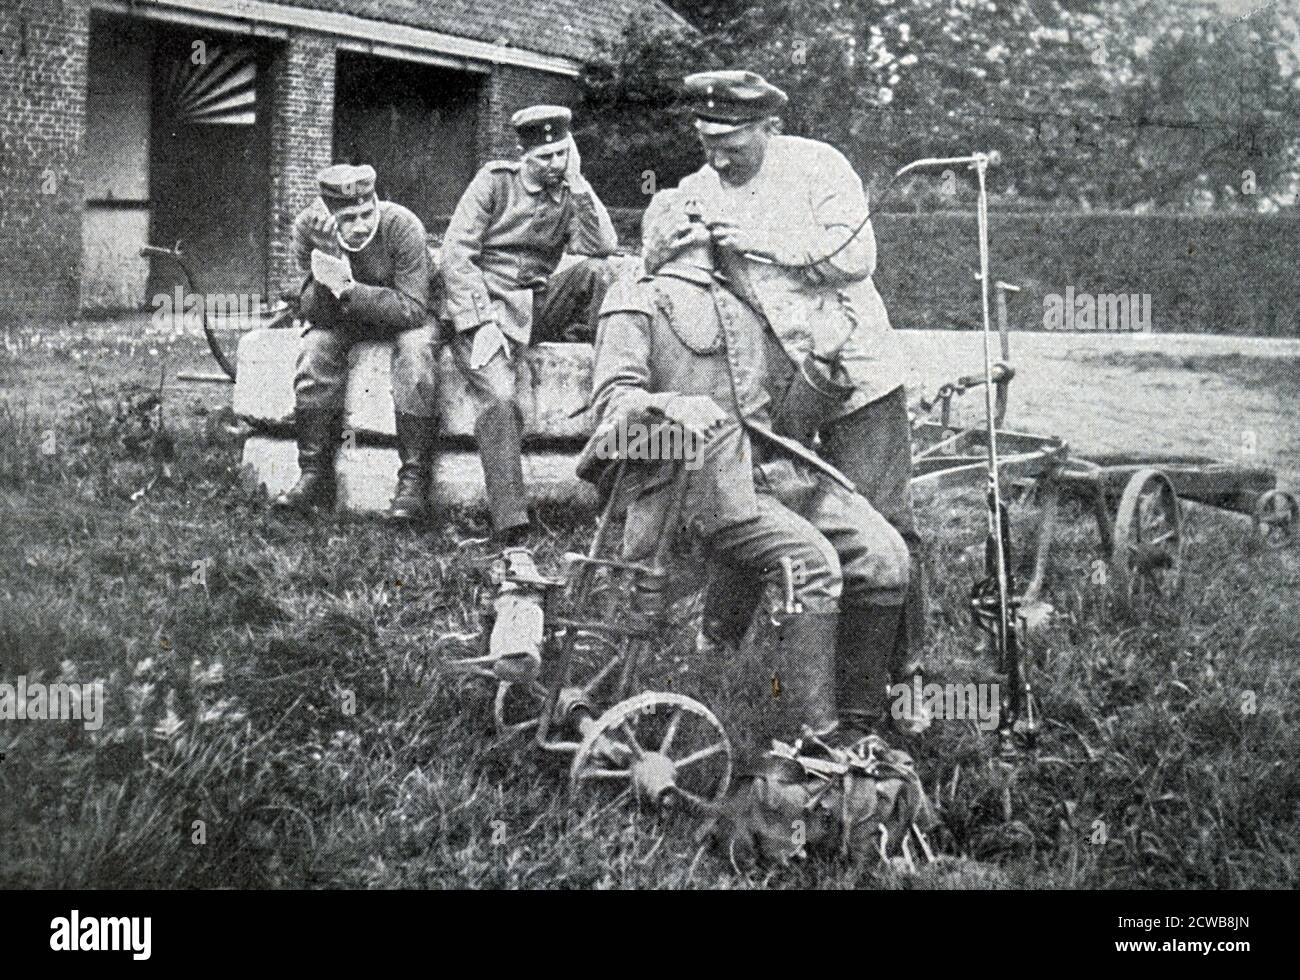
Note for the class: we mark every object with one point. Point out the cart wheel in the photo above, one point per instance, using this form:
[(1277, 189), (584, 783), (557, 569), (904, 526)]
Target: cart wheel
[(665, 746), (1277, 512), (1147, 554), (517, 707)]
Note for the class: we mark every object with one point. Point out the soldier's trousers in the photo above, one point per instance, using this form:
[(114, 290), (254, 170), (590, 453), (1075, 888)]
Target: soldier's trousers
[(502, 388), (841, 551), (873, 448), (322, 372)]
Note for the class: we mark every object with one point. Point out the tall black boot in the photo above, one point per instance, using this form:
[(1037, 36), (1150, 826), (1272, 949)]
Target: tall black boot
[(909, 652), (730, 600), (868, 636), (415, 441), (318, 437), (805, 677), (500, 447)]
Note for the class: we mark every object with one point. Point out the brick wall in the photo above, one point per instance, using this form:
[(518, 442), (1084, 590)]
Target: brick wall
[(302, 136), (43, 71), (43, 48)]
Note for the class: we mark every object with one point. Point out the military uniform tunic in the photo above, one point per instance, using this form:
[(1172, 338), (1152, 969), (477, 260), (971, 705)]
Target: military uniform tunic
[(498, 265), (757, 496), (389, 301), (505, 241), (802, 204)]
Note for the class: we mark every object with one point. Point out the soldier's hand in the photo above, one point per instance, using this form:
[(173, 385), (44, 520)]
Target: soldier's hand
[(697, 414), (734, 239), (488, 339), (573, 170), (323, 229)]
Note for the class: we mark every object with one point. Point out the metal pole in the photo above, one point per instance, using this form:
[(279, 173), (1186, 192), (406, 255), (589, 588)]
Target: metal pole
[(995, 496)]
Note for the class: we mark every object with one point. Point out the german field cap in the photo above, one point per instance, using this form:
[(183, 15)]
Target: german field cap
[(539, 125), (726, 100), (345, 185)]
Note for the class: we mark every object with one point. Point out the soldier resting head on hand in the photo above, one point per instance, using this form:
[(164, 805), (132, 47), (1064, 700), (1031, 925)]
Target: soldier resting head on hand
[(367, 263), (513, 224)]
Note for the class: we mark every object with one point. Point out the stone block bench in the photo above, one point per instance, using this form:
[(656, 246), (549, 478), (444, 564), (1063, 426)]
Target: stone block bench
[(366, 464)]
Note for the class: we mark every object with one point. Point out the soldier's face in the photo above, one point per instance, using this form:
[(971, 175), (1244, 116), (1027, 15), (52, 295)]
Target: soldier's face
[(736, 156), (546, 164), (357, 222)]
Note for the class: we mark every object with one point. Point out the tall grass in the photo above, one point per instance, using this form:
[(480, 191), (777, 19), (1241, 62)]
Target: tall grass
[(276, 720)]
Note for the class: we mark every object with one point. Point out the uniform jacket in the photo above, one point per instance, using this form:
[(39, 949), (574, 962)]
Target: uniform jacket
[(803, 203), (506, 239), (683, 332), (391, 272)]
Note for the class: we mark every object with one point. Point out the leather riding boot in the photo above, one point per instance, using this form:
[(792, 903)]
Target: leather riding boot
[(806, 671), (317, 432), (910, 649), (730, 600), (867, 639), (415, 441), (500, 447)]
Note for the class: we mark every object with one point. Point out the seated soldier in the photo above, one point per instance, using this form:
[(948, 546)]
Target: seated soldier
[(678, 345), (513, 224), (368, 279)]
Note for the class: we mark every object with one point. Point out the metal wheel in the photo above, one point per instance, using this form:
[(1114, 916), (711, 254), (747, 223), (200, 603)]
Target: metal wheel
[(1147, 553), (664, 746), (1277, 514), (517, 707)]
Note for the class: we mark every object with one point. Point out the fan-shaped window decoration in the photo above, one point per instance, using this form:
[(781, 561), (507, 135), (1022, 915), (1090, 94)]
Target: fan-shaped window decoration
[(222, 91)]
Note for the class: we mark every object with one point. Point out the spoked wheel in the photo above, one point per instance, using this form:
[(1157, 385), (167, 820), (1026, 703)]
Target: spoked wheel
[(665, 747), (1277, 515), (1147, 553), (517, 707)]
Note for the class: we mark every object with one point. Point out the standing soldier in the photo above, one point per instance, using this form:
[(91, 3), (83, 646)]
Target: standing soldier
[(367, 262), (789, 218), (514, 222)]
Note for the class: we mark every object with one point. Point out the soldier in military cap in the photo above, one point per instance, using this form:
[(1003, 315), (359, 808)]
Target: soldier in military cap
[(789, 218), (499, 259), (677, 344), (367, 263)]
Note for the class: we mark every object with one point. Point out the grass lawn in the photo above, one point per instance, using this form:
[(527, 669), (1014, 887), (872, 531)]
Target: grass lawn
[(273, 717)]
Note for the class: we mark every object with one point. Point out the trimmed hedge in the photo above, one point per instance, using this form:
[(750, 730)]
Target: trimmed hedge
[(1231, 274)]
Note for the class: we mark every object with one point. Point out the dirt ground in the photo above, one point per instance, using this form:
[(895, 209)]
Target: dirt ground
[(1233, 398)]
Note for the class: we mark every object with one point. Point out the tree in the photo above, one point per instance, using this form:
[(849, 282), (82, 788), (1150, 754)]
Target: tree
[(1107, 103)]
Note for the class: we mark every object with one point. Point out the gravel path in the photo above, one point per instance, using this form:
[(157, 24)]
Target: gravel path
[(1078, 386)]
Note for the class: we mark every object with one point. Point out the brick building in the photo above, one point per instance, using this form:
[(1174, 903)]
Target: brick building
[(127, 121)]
